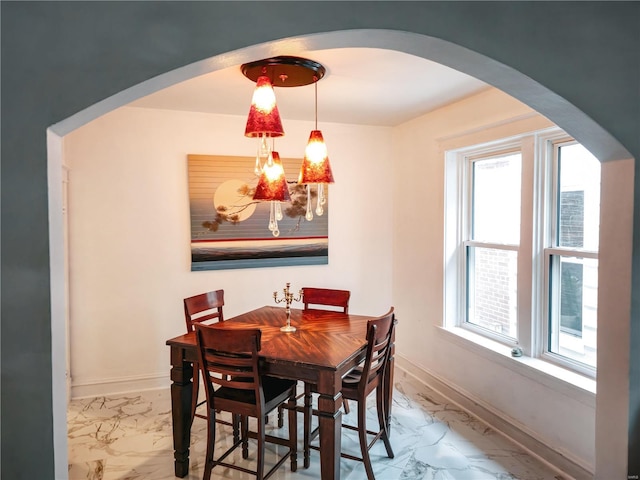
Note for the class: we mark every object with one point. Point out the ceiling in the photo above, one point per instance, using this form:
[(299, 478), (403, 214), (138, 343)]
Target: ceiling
[(362, 86)]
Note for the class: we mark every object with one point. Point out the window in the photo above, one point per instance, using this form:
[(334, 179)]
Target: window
[(492, 247), (571, 258), (522, 227)]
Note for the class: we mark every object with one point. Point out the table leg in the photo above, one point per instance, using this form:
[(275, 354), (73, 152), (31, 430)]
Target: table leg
[(330, 422), (181, 392)]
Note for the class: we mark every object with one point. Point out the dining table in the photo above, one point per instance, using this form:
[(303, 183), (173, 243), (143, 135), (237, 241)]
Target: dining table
[(325, 346)]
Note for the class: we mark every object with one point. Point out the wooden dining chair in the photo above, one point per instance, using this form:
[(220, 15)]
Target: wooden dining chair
[(312, 298), (358, 384), (204, 308), (326, 297), (234, 383)]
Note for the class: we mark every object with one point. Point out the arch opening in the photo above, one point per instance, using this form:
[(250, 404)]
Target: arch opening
[(521, 87)]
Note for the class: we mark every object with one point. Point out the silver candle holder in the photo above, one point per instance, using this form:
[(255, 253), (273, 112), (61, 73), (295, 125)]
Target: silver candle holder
[(288, 298)]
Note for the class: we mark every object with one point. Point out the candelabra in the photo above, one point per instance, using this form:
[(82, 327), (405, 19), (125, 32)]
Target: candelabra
[(288, 298)]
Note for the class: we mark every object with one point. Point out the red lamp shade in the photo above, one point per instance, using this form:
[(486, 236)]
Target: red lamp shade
[(272, 184), (264, 118), (315, 166)]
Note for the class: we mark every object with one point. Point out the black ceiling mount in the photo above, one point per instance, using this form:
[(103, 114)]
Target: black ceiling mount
[(285, 71)]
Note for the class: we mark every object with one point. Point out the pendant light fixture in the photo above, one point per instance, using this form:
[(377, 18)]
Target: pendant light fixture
[(315, 166), (272, 186), (264, 123)]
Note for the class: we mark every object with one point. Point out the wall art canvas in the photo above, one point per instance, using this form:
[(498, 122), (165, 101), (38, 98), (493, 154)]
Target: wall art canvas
[(230, 230)]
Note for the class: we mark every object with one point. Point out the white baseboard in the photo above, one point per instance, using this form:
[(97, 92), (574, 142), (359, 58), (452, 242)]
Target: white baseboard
[(567, 467), (117, 386)]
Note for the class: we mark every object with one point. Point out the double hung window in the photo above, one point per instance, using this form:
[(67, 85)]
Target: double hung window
[(491, 247), (522, 227), (571, 253)]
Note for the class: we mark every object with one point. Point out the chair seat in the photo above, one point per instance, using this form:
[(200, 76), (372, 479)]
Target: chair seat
[(352, 378), (276, 391)]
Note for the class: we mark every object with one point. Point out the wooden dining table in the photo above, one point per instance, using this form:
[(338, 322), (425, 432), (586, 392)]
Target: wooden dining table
[(325, 346)]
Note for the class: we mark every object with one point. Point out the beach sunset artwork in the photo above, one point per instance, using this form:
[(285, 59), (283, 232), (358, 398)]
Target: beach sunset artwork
[(230, 230)]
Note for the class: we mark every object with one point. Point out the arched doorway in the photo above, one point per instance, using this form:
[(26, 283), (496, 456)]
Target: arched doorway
[(502, 77)]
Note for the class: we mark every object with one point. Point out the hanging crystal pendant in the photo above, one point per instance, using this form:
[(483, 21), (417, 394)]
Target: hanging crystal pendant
[(258, 168), (273, 219), (262, 155), (309, 214), (320, 201)]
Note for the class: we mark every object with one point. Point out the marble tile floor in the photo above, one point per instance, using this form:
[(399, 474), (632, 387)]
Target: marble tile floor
[(129, 437)]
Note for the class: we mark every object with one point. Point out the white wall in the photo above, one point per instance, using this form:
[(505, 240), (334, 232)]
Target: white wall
[(616, 221), (562, 418), (130, 239)]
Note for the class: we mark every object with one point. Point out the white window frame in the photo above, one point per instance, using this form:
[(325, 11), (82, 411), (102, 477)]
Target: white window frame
[(468, 158), (547, 171), (535, 237)]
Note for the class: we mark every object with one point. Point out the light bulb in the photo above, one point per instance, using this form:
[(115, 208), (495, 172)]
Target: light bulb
[(264, 98), (316, 150)]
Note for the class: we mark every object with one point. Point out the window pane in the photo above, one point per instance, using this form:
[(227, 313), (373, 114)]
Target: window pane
[(574, 302), (492, 289), (579, 198), (496, 199)]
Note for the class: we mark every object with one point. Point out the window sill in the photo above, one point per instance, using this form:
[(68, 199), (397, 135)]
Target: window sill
[(560, 379)]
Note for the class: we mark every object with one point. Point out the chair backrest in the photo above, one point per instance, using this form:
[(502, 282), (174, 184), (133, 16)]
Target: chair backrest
[(379, 336), (203, 308), (229, 358), (326, 297)]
